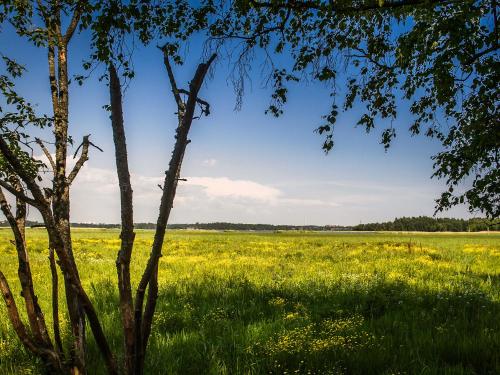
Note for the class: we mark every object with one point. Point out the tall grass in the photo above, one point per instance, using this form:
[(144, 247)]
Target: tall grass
[(294, 303)]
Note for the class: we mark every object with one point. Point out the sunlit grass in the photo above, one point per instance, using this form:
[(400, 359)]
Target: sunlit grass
[(308, 303)]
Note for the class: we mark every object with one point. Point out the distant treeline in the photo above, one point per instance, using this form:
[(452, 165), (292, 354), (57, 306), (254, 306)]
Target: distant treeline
[(429, 224), (204, 226), (413, 224), (257, 227)]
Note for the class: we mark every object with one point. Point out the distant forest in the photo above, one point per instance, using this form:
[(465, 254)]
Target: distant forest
[(412, 224), (430, 224)]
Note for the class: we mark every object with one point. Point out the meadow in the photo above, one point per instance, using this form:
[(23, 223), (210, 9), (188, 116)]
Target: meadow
[(291, 303)]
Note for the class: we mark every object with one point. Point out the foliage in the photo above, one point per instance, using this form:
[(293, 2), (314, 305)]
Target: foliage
[(240, 303), (16, 116), (440, 58)]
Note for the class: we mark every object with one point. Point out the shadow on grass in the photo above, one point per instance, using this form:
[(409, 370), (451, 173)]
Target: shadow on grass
[(232, 326), (235, 327)]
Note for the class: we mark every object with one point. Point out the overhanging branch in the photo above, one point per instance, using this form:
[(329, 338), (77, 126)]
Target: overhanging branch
[(330, 5)]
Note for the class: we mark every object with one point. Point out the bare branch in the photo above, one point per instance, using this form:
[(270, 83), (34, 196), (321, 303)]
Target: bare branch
[(46, 153), (81, 161), (171, 77), (85, 145), (18, 194), (205, 106), (143, 320), (73, 24)]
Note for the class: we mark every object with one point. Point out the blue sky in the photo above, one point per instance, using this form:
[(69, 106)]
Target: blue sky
[(242, 166)]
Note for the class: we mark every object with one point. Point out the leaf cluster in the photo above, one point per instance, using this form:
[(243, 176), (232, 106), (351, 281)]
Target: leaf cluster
[(440, 57)]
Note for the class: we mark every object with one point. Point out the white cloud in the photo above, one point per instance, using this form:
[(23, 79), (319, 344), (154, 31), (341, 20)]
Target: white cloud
[(209, 162), (222, 187)]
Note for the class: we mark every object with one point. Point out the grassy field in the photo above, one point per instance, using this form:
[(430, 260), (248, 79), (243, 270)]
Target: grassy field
[(292, 303)]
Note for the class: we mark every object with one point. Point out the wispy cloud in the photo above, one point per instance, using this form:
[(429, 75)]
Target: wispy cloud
[(209, 162)]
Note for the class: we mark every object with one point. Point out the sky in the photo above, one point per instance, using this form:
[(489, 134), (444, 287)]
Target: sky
[(241, 166)]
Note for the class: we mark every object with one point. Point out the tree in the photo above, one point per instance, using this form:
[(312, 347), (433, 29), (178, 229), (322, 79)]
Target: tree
[(52, 203), (110, 23), (137, 319), (439, 56)]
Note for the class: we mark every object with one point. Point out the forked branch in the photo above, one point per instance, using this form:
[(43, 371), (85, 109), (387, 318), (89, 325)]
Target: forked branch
[(204, 105), (84, 156), (143, 320)]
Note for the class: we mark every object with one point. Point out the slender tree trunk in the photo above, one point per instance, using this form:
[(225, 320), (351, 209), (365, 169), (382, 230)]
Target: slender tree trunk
[(55, 302), (60, 200), (127, 234)]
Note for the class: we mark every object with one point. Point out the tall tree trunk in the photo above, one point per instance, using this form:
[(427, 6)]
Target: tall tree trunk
[(61, 202), (127, 234)]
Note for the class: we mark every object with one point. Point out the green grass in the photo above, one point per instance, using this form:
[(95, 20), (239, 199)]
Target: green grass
[(295, 303)]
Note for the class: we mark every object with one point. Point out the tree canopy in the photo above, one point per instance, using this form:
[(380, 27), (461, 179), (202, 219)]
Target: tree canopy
[(440, 58)]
